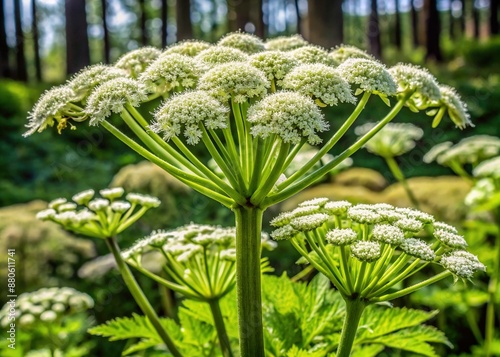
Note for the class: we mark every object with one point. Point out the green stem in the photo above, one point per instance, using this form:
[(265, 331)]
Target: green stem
[(225, 344), (354, 310), (139, 296), (248, 276), (398, 174)]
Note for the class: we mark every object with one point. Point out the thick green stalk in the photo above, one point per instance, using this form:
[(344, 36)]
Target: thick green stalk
[(139, 296), (248, 286), (225, 344), (398, 174), (354, 310)]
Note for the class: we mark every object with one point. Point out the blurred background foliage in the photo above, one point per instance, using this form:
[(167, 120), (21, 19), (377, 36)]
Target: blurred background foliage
[(43, 42)]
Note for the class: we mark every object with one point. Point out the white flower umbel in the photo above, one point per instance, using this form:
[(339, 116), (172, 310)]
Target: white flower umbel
[(286, 43), (87, 79), (46, 306), (313, 54), (136, 61), (216, 55), (275, 65), (366, 254), (488, 168), (187, 48), (242, 41), (98, 217), (344, 52)]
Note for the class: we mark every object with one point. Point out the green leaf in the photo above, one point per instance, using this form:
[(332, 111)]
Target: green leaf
[(123, 328), (367, 350), (378, 321)]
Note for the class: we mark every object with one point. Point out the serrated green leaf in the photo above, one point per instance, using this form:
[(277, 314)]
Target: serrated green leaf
[(378, 321), (415, 339), (298, 352), (143, 344), (123, 328), (371, 350)]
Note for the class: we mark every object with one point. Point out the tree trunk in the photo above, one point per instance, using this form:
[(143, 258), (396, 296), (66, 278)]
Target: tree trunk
[(326, 22), (297, 14), (494, 27), (414, 24), (257, 17), (107, 45), (397, 25), (36, 47), (476, 21), (5, 70), (463, 18), (183, 16), (77, 40), (433, 30), (451, 22), (164, 22), (373, 34), (142, 19), (21, 72)]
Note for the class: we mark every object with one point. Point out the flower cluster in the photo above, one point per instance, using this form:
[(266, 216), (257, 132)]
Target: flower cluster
[(471, 150), (98, 217), (366, 250), (392, 140), (199, 259), (45, 306)]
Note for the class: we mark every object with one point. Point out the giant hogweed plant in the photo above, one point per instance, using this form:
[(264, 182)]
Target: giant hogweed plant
[(252, 106)]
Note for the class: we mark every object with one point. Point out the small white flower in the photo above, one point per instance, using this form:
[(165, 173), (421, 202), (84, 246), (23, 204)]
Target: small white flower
[(462, 263), (366, 251), (445, 227), (68, 206), (216, 55), (98, 204), (309, 222), (275, 64), (344, 52), (120, 206), (435, 152), (417, 248), (48, 316), (228, 254), (313, 54), (410, 77), (362, 215), (82, 198), (337, 208), (388, 234), (284, 232), (289, 115), (319, 201), (187, 48), (409, 225), (488, 168), (143, 200), (368, 75), (286, 43), (135, 62), (243, 41), (26, 320), (87, 79), (450, 239), (112, 193), (46, 214), (57, 202), (416, 214), (344, 236), (457, 109)]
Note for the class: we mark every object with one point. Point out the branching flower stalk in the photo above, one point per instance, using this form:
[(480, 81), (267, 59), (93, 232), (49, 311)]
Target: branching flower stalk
[(366, 250), (199, 264), (105, 218), (252, 106)]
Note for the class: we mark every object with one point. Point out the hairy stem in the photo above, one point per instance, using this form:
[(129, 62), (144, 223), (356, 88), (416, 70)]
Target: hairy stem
[(248, 285), (225, 344)]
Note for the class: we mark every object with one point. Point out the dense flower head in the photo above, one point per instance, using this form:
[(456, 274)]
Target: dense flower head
[(313, 54), (187, 112), (192, 253), (187, 48), (216, 55), (342, 240), (171, 72), (289, 115), (394, 139), (344, 52), (462, 263), (471, 150), (46, 305), (98, 217), (482, 192), (414, 78), (321, 82), (368, 75), (135, 62), (54, 106), (274, 64), (88, 78), (231, 80), (286, 43), (456, 108), (242, 41), (111, 97), (488, 168)]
